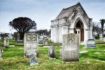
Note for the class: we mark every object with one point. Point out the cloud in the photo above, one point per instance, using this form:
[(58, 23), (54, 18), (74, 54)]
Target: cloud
[(43, 11)]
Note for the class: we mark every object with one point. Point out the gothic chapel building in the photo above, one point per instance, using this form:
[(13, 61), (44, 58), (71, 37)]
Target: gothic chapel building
[(73, 19)]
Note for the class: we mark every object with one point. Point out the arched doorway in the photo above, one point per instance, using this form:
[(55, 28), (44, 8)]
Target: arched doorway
[(80, 27)]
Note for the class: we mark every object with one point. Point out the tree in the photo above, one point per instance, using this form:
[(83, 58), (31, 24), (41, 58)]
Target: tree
[(96, 30), (102, 21), (22, 25)]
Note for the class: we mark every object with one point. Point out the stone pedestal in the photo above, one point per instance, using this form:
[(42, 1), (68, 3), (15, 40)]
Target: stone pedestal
[(70, 49), (33, 57)]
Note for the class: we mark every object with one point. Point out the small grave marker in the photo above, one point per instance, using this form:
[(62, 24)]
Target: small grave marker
[(91, 43), (6, 42), (51, 52)]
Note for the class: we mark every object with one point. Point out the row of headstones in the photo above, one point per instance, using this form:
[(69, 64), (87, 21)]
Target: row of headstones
[(5, 44), (70, 49)]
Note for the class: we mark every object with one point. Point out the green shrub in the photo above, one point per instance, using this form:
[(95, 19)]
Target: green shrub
[(54, 44), (100, 42), (97, 37), (41, 45)]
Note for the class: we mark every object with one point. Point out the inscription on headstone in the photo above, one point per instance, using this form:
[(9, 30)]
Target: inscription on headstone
[(30, 47), (70, 49)]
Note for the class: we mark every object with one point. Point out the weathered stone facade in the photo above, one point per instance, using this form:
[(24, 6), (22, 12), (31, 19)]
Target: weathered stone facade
[(70, 20)]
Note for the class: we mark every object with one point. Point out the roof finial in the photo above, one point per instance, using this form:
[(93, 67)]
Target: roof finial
[(78, 3)]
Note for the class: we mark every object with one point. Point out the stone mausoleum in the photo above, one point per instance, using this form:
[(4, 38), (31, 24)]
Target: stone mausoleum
[(73, 19)]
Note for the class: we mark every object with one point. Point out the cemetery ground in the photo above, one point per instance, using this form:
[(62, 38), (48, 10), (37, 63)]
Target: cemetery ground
[(90, 59)]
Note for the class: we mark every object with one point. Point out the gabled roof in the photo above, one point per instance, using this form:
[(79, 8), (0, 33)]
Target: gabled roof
[(66, 12)]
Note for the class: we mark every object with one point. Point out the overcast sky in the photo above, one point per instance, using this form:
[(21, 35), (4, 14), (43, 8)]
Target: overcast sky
[(43, 11)]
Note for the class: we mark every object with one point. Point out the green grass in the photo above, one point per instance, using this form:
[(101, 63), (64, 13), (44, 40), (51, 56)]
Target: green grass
[(92, 59), (100, 41)]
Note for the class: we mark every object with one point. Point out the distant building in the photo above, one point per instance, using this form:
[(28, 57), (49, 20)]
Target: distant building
[(71, 20)]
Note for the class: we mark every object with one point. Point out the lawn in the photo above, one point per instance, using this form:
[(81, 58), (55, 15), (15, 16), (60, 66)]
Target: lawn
[(90, 59)]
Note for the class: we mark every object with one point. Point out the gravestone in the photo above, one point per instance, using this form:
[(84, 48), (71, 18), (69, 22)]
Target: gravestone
[(91, 43), (6, 42), (101, 37), (51, 51), (45, 40), (30, 47), (1, 54), (70, 49)]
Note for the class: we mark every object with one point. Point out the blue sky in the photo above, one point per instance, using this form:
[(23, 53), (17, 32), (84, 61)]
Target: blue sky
[(43, 11)]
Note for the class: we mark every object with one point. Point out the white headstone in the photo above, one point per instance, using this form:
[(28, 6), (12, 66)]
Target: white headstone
[(70, 49), (6, 42), (30, 47)]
